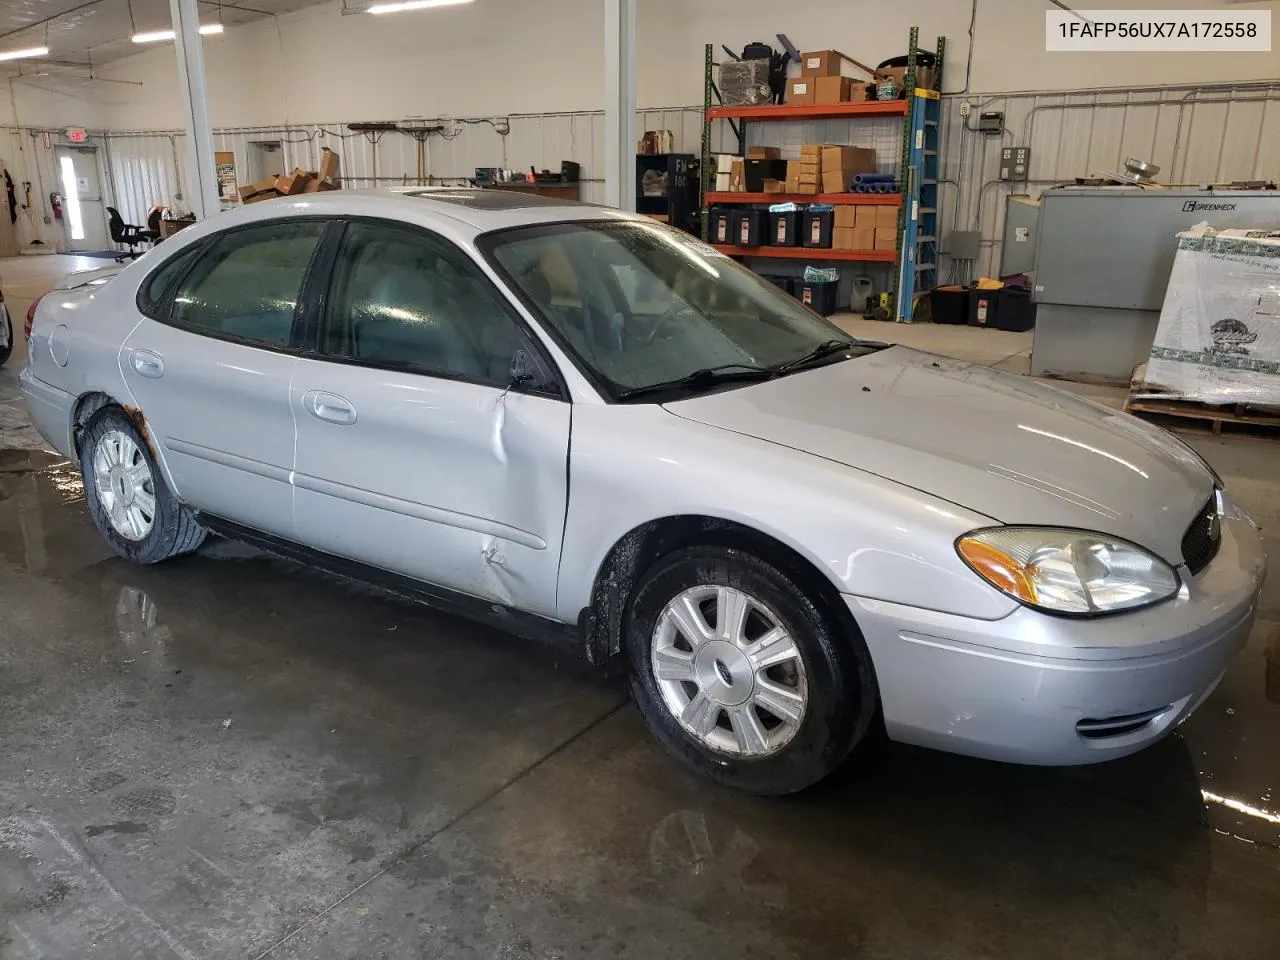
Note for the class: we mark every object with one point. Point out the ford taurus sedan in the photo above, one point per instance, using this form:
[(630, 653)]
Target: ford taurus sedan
[(582, 425)]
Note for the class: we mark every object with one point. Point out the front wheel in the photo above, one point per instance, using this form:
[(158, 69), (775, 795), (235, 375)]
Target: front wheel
[(129, 501), (743, 675)]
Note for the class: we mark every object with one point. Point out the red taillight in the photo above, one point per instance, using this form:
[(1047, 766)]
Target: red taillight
[(31, 317)]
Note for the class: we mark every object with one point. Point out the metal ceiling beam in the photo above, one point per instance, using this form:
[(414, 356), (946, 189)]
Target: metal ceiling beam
[(93, 3)]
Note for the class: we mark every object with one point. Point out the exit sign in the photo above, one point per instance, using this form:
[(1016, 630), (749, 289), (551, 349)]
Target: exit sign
[(77, 134)]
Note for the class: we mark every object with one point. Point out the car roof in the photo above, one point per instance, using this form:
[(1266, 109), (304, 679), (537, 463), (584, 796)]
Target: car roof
[(475, 211)]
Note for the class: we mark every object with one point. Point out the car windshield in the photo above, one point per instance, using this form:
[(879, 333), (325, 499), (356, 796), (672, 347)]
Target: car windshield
[(642, 305)]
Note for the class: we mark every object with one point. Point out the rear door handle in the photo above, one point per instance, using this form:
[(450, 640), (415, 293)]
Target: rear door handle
[(148, 364), (329, 406)]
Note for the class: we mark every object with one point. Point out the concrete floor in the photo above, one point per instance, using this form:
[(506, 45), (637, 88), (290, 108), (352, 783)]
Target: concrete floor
[(231, 756)]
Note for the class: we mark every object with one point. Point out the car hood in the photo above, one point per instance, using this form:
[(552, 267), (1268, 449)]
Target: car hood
[(1005, 446)]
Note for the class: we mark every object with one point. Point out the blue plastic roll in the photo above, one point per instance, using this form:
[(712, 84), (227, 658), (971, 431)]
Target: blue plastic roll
[(861, 188), (872, 177)]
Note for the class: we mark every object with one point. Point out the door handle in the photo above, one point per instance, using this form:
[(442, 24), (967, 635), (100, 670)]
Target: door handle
[(148, 364), (329, 406)]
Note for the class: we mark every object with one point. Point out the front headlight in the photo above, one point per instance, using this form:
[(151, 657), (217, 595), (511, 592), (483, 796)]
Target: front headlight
[(1067, 571)]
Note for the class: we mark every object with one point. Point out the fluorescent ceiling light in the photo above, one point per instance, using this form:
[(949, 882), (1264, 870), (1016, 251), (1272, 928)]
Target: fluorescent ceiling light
[(413, 5), (154, 36), (23, 54)]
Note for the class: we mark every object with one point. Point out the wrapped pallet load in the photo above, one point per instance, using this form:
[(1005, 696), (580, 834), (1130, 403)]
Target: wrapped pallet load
[(1218, 338)]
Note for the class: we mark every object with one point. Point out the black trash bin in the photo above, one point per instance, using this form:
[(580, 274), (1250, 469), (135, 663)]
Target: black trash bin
[(983, 307), (1016, 310), (818, 295), (721, 225), (950, 304)]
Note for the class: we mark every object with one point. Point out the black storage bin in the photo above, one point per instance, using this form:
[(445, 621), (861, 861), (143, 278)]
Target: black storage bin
[(1017, 311), (784, 229), (721, 222), (817, 228), (949, 304), (785, 284), (818, 295), (749, 228), (984, 305), (756, 172)]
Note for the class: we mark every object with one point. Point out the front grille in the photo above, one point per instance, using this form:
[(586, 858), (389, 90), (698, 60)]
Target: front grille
[(1200, 542)]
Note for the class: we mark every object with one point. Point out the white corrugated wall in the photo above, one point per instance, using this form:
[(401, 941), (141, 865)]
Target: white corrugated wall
[(1206, 134)]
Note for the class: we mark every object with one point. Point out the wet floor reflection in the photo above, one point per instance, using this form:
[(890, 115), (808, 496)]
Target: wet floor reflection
[(233, 744)]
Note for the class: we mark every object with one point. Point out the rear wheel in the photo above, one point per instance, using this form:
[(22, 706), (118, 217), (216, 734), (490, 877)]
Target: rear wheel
[(129, 501), (742, 674), (6, 334)]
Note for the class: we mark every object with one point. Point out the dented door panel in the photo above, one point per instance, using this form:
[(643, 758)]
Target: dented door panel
[(453, 483)]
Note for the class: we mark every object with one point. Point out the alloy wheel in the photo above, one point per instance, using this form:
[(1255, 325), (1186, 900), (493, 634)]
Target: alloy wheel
[(728, 671), (122, 479)]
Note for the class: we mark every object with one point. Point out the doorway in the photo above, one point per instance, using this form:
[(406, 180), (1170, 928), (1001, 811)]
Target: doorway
[(84, 215), (265, 159)]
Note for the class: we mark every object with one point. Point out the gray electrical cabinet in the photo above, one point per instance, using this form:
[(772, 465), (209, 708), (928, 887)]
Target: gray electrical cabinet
[(1021, 233), (1102, 263)]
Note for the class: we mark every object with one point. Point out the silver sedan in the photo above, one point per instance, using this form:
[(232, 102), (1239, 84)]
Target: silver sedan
[(587, 427)]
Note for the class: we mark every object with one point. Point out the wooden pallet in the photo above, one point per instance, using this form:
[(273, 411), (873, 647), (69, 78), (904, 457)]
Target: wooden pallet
[(1179, 414)]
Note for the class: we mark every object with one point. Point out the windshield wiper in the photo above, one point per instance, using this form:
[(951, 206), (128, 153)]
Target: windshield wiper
[(823, 350), (702, 379)]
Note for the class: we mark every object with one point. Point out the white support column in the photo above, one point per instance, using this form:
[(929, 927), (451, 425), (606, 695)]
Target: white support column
[(201, 193), (619, 103)]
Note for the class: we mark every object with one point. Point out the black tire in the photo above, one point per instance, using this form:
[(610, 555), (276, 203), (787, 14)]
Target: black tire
[(6, 343), (174, 530), (842, 697)]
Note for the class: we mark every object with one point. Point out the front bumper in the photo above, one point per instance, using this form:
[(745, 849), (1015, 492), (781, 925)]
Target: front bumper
[(51, 411), (1015, 689)]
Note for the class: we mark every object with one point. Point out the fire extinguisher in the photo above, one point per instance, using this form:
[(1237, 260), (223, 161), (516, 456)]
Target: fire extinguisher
[(55, 201)]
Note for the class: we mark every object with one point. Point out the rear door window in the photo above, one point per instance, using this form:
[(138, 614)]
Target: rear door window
[(246, 286)]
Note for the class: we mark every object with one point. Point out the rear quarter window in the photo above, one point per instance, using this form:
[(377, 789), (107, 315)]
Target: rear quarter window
[(156, 288)]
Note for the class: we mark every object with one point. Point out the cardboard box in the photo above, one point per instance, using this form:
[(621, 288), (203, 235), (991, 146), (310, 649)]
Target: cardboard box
[(737, 177), (800, 90), (805, 188), (842, 238), (865, 217), (852, 159), (294, 182), (764, 153), (859, 91), (315, 185), (813, 151), (831, 89), (267, 185), (924, 76), (845, 216), (886, 238), (886, 217), (774, 186), (810, 176), (864, 238), (835, 181), (329, 162), (820, 63)]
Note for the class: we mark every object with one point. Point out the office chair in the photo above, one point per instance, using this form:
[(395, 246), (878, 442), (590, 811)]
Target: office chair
[(129, 234)]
